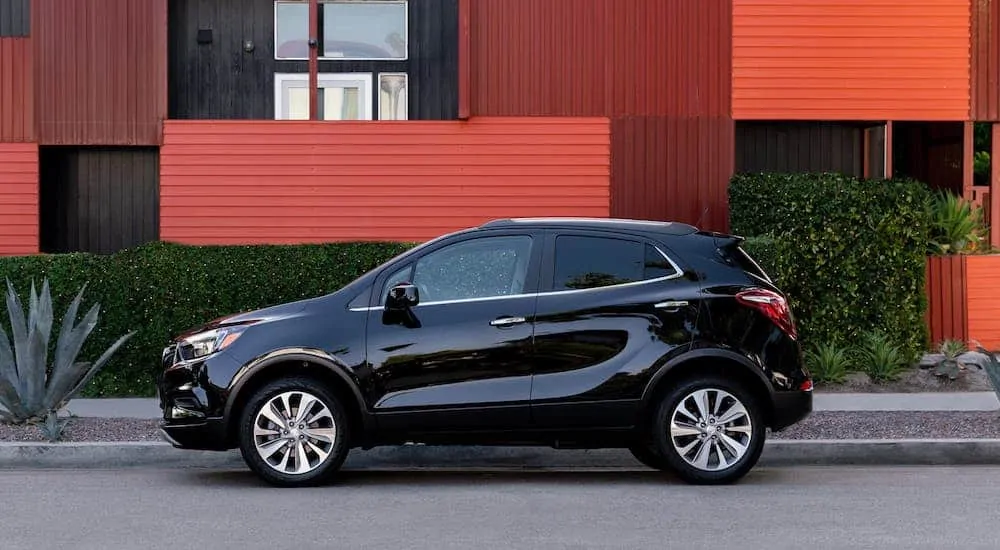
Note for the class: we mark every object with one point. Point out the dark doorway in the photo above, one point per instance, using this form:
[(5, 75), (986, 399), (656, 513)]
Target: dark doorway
[(930, 152), (98, 199)]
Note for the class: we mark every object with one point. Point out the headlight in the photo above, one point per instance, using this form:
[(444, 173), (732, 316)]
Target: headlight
[(207, 343)]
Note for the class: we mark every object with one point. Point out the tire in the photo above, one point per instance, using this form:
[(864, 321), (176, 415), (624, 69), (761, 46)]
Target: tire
[(649, 456), (747, 431), (283, 468)]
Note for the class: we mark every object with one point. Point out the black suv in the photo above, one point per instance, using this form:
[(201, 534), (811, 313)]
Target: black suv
[(563, 332)]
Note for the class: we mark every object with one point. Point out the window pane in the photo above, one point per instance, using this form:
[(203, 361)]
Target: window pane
[(292, 30), (364, 30), (590, 262), (392, 100), (297, 99), (481, 268), (341, 103), (656, 265)]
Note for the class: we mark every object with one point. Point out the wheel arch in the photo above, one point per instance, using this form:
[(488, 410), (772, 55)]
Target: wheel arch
[(295, 362), (707, 361)]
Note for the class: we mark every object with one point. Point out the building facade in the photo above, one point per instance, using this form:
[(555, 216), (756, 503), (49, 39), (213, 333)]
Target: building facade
[(264, 121)]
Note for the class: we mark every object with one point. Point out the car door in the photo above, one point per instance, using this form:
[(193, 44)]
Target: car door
[(611, 307), (463, 359)]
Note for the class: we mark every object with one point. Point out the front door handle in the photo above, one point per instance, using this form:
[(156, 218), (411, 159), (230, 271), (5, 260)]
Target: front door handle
[(507, 321), (671, 306)]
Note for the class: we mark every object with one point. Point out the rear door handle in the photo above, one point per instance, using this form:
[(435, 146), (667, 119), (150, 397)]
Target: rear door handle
[(507, 321), (671, 306)]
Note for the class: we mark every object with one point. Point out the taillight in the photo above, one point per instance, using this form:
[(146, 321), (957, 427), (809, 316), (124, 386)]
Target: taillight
[(771, 304)]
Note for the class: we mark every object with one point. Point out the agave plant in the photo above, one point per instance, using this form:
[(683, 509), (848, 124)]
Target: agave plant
[(950, 366), (31, 390), (992, 368)]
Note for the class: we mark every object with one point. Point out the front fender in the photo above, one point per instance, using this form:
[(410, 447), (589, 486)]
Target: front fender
[(316, 357)]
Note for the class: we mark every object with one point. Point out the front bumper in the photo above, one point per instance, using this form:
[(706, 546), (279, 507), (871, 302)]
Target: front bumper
[(790, 407), (192, 406), (209, 435)]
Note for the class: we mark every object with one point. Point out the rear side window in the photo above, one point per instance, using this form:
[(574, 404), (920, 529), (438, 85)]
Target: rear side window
[(592, 262)]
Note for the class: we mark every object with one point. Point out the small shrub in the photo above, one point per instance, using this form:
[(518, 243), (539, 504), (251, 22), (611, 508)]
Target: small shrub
[(957, 227), (949, 366), (828, 362), (882, 360)]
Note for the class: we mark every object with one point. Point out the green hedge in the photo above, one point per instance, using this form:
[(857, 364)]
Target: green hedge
[(160, 289), (850, 253)]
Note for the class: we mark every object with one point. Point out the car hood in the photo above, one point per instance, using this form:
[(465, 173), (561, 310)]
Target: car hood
[(268, 314)]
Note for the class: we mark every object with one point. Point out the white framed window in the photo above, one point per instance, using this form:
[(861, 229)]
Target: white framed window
[(342, 96), (393, 96), (368, 30)]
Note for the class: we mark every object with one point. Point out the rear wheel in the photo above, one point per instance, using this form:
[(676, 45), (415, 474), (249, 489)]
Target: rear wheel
[(293, 432), (709, 430)]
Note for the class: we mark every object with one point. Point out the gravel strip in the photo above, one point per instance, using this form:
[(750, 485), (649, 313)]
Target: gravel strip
[(895, 425), (819, 425), (88, 429)]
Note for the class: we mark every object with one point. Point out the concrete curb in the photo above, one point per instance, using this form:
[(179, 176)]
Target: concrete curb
[(778, 452)]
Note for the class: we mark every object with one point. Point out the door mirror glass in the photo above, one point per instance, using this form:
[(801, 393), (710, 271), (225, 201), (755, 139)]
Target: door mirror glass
[(402, 296)]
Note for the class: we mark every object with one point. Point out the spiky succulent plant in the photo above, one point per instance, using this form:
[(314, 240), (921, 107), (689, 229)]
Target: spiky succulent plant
[(992, 367), (31, 390)]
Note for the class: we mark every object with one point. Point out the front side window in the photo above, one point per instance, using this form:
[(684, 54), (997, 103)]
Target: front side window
[(593, 262), (479, 268), (348, 30)]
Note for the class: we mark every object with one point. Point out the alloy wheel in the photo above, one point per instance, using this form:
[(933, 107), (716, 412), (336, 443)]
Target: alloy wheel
[(294, 432), (710, 429)]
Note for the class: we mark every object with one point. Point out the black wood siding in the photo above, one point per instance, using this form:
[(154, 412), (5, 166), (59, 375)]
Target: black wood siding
[(800, 147), (99, 199), (15, 18), (221, 81)]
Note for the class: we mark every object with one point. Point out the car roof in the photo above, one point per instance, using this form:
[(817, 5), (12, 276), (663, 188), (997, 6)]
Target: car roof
[(621, 224)]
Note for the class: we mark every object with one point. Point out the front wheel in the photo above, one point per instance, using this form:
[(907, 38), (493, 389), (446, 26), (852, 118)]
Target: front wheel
[(709, 430), (294, 432)]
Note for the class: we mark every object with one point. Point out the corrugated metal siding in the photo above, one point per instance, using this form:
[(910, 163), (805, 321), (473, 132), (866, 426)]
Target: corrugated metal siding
[(16, 91), (672, 168), (296, 181), (800, 147), (946, 301), (986, 60), (851, 59), (660, 70), (101, 70), (18, 198), (983, 280), (600, 57), (15, 18), (98, 199)]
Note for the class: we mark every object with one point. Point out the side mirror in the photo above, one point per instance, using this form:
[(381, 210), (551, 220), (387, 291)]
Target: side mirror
[(402, 297)]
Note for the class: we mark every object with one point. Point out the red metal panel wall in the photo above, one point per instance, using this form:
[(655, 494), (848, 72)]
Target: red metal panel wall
[(851, 59), (101, 71), (983, 287), (18, 198), (672, 168), (986, 60), (16, 94), (237, 182), (946, 300), (660, 69)]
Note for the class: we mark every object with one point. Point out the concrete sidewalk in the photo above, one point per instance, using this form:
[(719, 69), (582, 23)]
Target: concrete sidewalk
[(928, 401)]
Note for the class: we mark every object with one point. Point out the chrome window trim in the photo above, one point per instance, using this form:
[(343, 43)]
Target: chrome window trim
[(678, 273)]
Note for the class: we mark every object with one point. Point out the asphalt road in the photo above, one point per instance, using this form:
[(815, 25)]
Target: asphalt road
[(800, 508)]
